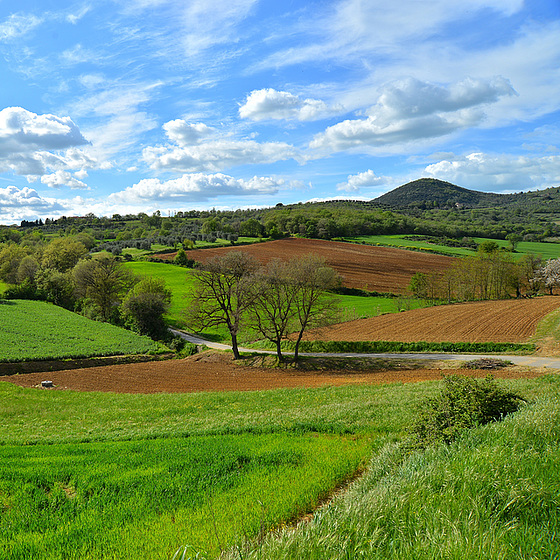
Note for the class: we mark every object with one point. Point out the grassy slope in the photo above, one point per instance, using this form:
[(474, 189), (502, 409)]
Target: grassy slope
[(35, 330), (493, 495), (252, 460)]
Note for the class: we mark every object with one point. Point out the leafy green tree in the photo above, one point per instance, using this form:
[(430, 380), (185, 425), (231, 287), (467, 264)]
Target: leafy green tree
[(63, 254), (144, 306), (11, 256), (103, 282)]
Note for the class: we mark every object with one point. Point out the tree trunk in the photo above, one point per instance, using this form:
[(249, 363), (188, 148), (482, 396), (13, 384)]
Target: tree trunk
[(234, 347), (279, 351)]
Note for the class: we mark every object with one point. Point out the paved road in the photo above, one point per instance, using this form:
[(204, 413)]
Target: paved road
[(530, 361)]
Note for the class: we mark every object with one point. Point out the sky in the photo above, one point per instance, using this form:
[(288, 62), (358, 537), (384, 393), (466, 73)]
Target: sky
[(119, 107)]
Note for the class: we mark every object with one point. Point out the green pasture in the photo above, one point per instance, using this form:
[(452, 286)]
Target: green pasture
[(546, 250), (35, 330), (138, 476), (180, 282)]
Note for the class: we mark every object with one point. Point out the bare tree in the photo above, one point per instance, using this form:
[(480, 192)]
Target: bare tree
[(314, 305), (274, 309), (223, 293)]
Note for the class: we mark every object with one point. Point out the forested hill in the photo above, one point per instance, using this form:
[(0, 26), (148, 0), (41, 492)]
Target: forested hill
[(433, 193)]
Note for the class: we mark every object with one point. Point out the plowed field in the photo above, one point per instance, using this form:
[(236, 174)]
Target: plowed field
[(217, 372), (484, 321), (380, 269)]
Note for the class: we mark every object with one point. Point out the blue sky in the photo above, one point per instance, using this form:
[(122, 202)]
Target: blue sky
[(142, 105)]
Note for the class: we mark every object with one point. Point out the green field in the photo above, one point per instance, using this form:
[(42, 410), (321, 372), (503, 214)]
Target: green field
[(35, 330), (138, 476), (546, 250), (179, 281)]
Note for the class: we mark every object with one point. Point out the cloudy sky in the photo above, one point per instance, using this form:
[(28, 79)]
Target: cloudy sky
[(142, 105)]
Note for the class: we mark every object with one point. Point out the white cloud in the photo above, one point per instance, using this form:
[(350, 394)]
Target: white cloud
[(17, 25), (186, 134), (268, 103), (195, 187), (21, 204), (32, 144), (356, 182), (502, 171), (62, 178), (194, 155), (409, 110)]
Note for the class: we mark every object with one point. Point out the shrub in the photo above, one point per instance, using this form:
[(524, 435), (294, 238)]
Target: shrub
[(463, 403)]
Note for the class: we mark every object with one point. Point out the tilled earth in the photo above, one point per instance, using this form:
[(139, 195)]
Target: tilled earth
[(211, 371)]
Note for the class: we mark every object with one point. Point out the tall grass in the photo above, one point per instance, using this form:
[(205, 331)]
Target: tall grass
[(495, 494)]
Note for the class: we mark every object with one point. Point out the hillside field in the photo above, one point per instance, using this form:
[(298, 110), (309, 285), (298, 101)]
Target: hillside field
[(513, 320), (379, 269), (35, 330)]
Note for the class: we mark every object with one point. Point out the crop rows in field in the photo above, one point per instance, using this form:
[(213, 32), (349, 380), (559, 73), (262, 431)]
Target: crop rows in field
[(484, 321), (34, 330), (379, 269)]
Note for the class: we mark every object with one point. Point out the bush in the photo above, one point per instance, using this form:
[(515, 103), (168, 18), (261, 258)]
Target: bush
[(463, 403)]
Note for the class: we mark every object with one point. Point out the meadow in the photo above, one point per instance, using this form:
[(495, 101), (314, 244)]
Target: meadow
[(35, 330), (545, 250), (96, 475)]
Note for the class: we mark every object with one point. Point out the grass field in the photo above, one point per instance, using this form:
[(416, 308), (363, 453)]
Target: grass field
[(138, 476), (546, 250), (35, 330)]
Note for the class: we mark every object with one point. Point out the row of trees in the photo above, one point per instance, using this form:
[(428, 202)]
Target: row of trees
[(489, 274), (280, 299)]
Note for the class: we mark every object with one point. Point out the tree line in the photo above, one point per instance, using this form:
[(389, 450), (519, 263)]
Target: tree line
[(489, 274)]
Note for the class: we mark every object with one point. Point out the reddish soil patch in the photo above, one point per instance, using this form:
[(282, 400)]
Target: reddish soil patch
[(380, 269), (484, 321), (217, 372)]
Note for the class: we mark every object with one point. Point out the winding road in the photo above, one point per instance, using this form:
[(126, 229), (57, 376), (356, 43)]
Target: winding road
[(527, 361)]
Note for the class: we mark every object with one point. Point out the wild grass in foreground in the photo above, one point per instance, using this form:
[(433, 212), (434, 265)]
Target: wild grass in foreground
[(137, 476), (492, 495), (35, 330), (142, 499)]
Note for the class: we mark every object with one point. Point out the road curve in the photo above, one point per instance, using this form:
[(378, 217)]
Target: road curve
[(528, 361)]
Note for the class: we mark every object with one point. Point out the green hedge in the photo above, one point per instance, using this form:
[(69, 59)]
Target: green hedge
[(378, 346)]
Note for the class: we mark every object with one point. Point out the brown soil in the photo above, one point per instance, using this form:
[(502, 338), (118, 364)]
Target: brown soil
[(212, 371), (380, 269), (485, 321)]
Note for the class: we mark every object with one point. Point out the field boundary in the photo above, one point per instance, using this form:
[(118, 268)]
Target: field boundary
[(39, 366)]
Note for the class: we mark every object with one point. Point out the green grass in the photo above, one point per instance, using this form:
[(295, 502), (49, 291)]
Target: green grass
[(35, 330), (180, 282), (3, 287), (546, 250), (138, 476), (492, 495), (143, 499)]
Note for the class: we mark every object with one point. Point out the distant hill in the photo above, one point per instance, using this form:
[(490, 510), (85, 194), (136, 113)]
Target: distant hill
[(436, 193)]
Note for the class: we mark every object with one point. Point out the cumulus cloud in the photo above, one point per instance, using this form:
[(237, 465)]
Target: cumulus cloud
[(197, 150), (62, 178), (21, 204), (498, 171), (32, 144), (186, 134), (264, 104), (356, 182), (409, 109), (195, 187)]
